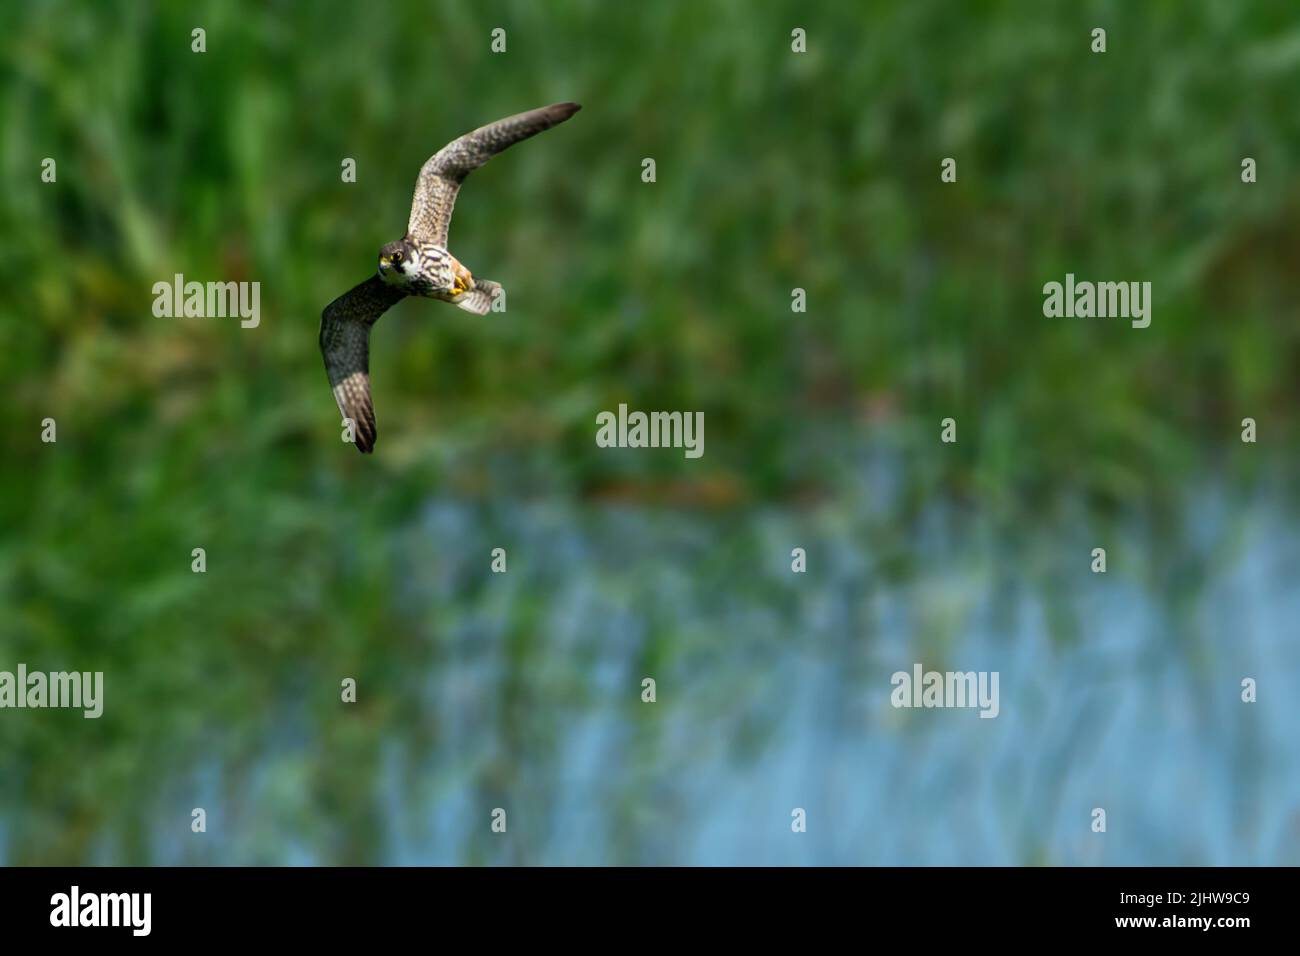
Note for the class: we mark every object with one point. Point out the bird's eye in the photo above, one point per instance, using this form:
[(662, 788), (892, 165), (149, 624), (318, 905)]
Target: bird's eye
[(397, 256)]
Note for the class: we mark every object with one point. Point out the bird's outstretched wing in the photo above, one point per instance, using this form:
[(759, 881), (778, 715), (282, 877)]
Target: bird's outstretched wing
[(441, 176), (345, 342)]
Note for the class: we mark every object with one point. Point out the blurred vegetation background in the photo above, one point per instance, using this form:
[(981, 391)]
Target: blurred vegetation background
[(775, 170)]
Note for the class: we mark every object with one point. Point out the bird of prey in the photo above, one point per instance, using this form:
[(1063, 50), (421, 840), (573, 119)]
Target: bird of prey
[(418, 264)]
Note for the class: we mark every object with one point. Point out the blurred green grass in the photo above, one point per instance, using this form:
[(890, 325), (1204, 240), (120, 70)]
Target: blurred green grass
[(774, 171)]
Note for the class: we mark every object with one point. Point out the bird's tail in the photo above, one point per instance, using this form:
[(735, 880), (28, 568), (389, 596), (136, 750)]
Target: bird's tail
[(480, 298)]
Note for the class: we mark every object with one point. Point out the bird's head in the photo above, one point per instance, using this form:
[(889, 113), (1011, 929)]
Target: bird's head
[(398, 262)]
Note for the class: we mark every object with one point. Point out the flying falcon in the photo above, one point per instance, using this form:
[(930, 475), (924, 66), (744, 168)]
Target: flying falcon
[(418, 264)]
